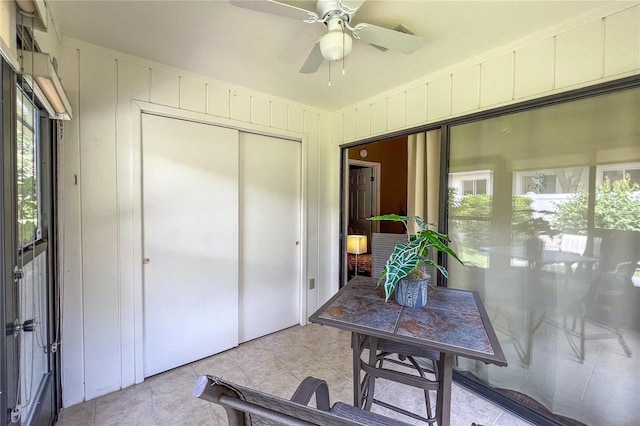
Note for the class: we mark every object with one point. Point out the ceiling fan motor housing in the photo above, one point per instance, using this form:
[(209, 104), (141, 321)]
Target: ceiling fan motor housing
[(335, 7)]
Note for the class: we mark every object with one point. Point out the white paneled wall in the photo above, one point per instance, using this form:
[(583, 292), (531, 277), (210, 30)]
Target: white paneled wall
[(101, 327), (497, 73), (193, 94), (621, 51), (438, 98), (588, 50), (99, 197)]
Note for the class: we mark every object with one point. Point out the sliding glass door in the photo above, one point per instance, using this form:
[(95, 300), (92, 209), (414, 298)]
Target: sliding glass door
[(29, 373), (543, 206)]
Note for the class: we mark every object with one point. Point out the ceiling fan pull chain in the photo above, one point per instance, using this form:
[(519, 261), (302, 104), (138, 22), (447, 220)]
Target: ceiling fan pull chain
[(329, 73), (343, 72)]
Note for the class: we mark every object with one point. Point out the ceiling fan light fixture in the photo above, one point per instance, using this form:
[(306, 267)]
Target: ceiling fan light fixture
[(335, 45)]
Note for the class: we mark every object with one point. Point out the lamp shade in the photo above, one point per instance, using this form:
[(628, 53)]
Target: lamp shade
[(335, 45), (356, 244)]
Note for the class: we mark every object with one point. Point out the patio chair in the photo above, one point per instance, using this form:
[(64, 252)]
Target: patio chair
[(420, 361), (245, 406), (596, 313), (603, 307)]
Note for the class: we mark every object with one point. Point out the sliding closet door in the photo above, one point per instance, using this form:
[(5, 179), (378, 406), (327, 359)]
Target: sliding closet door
[(190, 213), (270, 192)]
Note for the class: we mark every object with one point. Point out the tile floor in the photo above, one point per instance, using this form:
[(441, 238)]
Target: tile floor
[(275, 364)]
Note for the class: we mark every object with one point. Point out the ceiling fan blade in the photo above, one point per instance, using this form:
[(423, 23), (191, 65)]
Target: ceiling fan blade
[(389, 39), (277, 8), (313, 62)]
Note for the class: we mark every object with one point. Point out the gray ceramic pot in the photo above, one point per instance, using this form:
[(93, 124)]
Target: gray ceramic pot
[(412, 294)]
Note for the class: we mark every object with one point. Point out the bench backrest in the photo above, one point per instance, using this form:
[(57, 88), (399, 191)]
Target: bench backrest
[(247, 406)]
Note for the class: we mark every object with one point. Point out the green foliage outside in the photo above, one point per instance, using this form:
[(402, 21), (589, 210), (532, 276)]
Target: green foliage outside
[(27, 210), (26, 173), (617, 207), (468, 215)]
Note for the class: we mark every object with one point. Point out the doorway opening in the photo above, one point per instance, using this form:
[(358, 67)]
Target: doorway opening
[(376, 184)]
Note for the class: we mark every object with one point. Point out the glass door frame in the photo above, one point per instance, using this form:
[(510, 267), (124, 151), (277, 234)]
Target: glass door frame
[(528, 413), (48, 394), (622, 84)]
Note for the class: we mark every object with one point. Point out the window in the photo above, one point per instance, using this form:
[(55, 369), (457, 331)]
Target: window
[(617, 172), (552, 179), (28, 171), (476, 182), (474, 187), (34, 263), (539, 183)]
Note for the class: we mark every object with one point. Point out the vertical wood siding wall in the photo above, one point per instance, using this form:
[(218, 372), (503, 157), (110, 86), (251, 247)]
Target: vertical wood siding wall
[(603, 46), (99, 268)]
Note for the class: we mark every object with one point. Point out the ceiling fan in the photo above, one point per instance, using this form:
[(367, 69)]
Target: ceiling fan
[(337, 15)]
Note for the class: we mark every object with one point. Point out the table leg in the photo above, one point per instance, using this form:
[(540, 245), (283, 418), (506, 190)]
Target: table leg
[(528, 336), (355, 345), (371, 381), (443, 404)]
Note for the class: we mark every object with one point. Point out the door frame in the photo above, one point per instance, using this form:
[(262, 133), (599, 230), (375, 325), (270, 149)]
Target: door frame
[(377, 170), (138, 108)]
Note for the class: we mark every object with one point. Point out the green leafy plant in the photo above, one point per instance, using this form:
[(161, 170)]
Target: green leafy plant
[(534, 226), (409, 258), (617, 206)]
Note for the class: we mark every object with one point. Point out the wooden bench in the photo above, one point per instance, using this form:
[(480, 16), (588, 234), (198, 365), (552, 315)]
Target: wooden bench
[(245, 406)]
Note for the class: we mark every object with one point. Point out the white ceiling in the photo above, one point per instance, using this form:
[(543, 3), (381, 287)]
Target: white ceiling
[(264, 52)]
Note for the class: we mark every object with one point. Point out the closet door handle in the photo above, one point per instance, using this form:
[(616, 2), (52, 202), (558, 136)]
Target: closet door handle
[(146, 261)]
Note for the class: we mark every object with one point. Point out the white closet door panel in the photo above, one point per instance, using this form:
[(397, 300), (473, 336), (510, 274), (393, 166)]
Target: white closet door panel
[(190, 210), (270, 203)]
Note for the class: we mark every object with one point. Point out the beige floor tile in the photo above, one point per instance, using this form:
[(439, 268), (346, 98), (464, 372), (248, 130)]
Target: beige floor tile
[(292, 354), (169, 409), (276, 364), (258, 362), (205, 417), (136, 415), (125, 398), (78, 415), (179, 380), (405, 397), (467, 408), (217, 365), (278, 383)]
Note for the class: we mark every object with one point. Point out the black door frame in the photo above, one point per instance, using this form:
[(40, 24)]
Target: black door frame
[(47, 397), (535, 416)]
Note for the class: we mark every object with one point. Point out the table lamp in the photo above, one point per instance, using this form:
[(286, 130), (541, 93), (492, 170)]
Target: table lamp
[(356, 244)]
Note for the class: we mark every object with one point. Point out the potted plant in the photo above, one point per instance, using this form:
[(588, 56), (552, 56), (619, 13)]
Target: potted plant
[(406, 271), (532, 228)]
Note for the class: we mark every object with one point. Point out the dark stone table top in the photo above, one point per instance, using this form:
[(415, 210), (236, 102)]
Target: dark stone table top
[(453, 321)]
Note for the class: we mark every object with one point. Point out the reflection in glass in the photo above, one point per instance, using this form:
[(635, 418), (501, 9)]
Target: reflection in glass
[(33, 344), (551, 241), (27, 171)]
